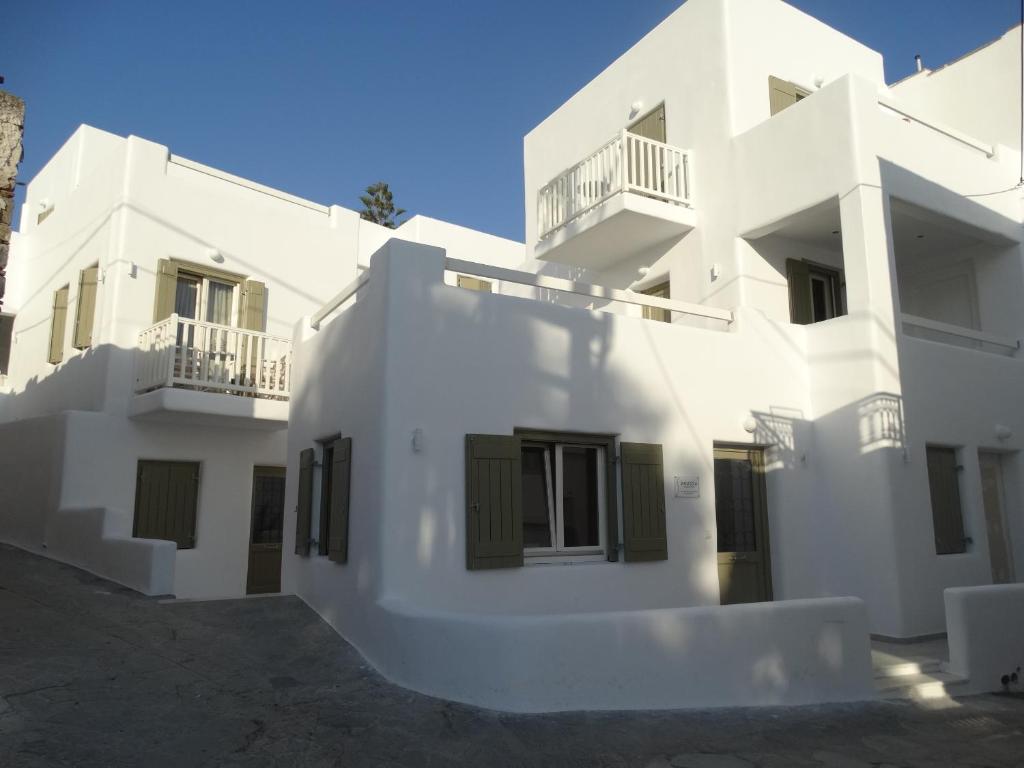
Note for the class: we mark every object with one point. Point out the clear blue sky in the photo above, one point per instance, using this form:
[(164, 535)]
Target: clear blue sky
[(322, 98)]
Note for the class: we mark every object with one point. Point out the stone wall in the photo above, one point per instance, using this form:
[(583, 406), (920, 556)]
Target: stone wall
[(12, 125)]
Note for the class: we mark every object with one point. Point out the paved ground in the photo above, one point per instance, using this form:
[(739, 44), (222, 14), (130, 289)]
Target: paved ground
[(92, 674)]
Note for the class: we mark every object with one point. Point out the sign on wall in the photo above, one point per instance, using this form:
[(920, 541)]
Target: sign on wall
[(687, 487)]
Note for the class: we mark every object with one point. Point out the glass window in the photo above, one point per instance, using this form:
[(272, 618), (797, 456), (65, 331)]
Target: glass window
[(218, 304), (826, 296), (734, 505), (563, 498), (186, 297), (538, 520), (268, 508)]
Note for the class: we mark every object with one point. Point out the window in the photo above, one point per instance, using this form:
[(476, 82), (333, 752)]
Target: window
[(563, 498), (195, 292), (326, 463), (551, 496), (6, 336), (333, 507), (58, 323), (660, 291), (816, 292), (474, 284), (944, 493), (166, 498), (782, 94), (204, 298), (85, 311)]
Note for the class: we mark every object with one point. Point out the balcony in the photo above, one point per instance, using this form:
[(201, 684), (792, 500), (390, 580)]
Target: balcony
[(631, 194), (213, 374)]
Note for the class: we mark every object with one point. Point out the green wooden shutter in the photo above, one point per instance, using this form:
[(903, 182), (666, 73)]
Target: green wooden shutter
[(341, 476), (494, 510), (57, 326), (944, 491), (166, 289), (166, 500), (799, 276), (85, 313), (251, 309), (304, 508), (643, 503)]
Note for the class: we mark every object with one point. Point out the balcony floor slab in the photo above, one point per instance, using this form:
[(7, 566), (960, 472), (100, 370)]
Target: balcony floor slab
[(209, 409), (622, 225)]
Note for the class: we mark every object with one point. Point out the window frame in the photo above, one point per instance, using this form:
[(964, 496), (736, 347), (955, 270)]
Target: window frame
[(606, 496), (834, 282), (323, 460), (662, 290), (203, 294)]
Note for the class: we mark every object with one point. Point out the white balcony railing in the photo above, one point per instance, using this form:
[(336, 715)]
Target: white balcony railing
[(627, 163), (178, 352)]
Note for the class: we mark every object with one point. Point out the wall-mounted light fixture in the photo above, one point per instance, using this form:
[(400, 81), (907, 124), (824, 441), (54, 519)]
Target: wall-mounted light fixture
[(133, 270), (1003, 432), (750, 424), (634, 109), (716, 271), (417, 440), (215, 255)]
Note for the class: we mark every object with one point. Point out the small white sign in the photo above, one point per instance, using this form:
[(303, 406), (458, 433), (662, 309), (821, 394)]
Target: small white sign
[(687, 487)]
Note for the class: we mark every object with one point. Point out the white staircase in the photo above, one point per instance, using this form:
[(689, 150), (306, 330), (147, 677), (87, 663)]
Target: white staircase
[(916, 671)]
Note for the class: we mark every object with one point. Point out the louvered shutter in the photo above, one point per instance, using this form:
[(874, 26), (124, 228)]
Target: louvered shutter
[(643, 503), (251, 314), (494, 514), (799, 277), (341, 474), (944, 492), (58, 324), (304, 508), (781, 94), (166, 289), (85, 313)]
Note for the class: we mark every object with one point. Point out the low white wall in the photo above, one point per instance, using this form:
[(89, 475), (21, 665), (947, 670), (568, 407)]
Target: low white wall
[(985, 626), (84, 538), (792, 652)]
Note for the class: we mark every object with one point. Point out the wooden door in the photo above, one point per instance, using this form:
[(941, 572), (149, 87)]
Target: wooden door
[(744, 563), (993, 496), (266, 529)]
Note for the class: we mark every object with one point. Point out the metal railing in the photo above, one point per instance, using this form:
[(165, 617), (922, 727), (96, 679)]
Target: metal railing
[(179, 352), (627, 163)]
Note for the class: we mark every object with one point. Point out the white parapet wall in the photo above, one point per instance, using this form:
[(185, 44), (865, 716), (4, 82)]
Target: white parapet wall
[(789, 652), (986, 634)]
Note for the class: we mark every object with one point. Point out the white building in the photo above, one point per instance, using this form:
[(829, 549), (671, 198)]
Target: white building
[(761, 347), (150, 371)]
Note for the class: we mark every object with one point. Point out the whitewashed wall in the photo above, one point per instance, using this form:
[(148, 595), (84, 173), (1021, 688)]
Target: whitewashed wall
[(559, 369)]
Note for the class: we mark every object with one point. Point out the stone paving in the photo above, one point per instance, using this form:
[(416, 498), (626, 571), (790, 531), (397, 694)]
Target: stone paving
[(92, 674)]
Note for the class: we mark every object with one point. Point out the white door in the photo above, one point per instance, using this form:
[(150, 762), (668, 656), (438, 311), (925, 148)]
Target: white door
[(994, 498)]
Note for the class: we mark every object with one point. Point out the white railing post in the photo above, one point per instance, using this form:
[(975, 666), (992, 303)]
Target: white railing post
[(624, 161), (170, 347)]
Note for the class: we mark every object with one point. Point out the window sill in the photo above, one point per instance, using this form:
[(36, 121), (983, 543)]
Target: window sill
[(562, 558)]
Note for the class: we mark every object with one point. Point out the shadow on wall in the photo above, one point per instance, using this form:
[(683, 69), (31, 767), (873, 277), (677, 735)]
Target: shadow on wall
[(79, 383)]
